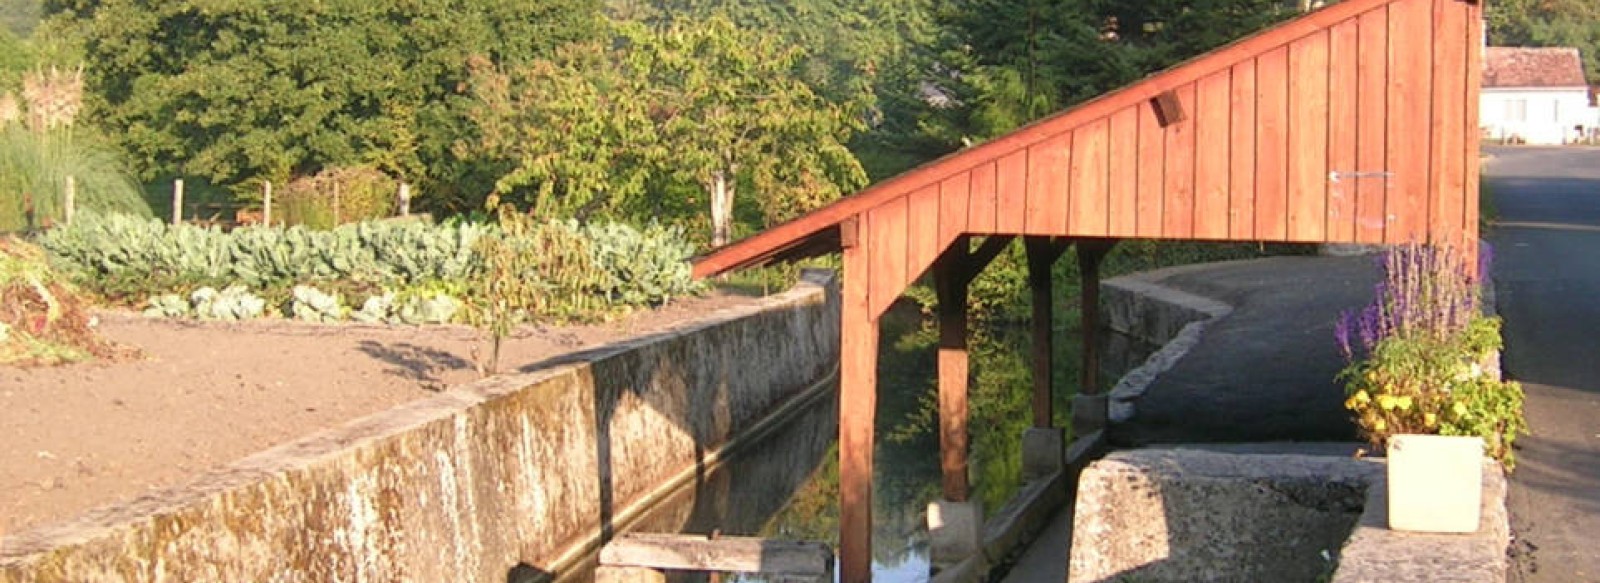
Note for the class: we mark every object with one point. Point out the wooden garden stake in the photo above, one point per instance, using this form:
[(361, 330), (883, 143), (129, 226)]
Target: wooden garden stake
[(71, 202), (266, 203), (405, 199), (177, 201)]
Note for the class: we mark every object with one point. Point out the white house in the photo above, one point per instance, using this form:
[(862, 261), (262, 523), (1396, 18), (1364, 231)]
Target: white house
[(1535, 95)]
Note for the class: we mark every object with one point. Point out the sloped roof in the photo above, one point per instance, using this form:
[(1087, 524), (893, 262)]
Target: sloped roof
[(1519, 67)]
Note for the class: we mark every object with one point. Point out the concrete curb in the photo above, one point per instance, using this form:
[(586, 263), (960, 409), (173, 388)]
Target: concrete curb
[(1157, 314)]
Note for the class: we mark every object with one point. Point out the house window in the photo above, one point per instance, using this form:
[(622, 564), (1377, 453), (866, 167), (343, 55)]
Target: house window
[(1516, 110)]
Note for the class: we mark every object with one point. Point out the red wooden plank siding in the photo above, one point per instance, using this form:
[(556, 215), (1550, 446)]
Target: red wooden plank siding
[(981, 203), (1410, 89), (1152, 172), (1242, 164), (1471, 156), (1011, 192), (922, 230), (1088, 214), (953, 203), (858, 405), (1178, 209), (1122, 181), (1212, 134), (1308, 138), (1449, 121), (1372, 133), (1272, 145), (1048, 167), (887, 255), (1342, 129)]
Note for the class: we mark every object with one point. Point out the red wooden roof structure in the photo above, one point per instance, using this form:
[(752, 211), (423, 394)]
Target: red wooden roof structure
[(1354, 123)]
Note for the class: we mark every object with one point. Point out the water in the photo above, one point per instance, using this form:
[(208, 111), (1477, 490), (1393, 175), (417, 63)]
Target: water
[(786, 487)]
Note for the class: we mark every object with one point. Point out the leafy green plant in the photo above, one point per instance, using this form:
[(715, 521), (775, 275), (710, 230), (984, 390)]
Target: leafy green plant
[(167, 306), (232, 303), (1421, 357), (313, 305)]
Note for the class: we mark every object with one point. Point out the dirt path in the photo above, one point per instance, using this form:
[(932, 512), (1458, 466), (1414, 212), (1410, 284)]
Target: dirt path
[(205, 394)]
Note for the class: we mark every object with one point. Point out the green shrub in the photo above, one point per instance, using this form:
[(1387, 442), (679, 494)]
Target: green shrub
[(36, 165), (336, 196), (313, 305)]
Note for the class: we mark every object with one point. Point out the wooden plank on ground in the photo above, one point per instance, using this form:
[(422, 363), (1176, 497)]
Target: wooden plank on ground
[(981, 207), (1342, 129), (1178, 206), (1410, 111), (1242, 153), (1048, 167), (1011, 192), (1308, 138), (1372, 135), (688, 552), (922, 230), (1272, 145), (1087, 215), (1448, 133), (1122, 181), (1152, 173), (1212, 134)]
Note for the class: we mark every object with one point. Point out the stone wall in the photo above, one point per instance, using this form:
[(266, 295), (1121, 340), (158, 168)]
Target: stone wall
[(511, 478)]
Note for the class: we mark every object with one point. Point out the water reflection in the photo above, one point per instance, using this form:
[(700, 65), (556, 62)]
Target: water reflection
[(786, 487)]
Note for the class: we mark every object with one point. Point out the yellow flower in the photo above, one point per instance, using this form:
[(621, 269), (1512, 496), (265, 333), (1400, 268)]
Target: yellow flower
[(1380, 425), (1350, 403), (1362, 397), (1403, 402), (1372, 376), (1387, 402), (1429, 419), (1459, 409)]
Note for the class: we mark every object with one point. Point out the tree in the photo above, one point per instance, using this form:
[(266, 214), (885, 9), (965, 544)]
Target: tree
[(233, 91), (696, 103)]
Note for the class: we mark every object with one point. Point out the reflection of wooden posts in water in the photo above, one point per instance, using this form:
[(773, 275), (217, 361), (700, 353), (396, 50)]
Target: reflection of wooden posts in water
[(640, 558)]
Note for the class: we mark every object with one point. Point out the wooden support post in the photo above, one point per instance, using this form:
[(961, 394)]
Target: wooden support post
[(1090, 254), (177, 201), (951, 273), (70, 202), (266, 203), (405, 199), (1042, 253), (858, 403)]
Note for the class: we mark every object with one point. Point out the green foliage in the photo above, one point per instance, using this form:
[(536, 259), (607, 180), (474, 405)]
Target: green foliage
[(37, 164), (313, 305), (234, 302), (232, 91), (648, 266), (1415, 384), (168, 306), (336, 196)]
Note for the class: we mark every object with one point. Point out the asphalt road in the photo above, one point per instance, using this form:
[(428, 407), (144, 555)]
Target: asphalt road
[(1547, 277)]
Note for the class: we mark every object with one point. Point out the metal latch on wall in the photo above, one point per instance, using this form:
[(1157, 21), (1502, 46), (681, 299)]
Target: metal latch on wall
[(1337, 176)]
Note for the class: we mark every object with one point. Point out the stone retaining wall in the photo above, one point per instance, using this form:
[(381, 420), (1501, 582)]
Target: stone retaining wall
[(511, 478)]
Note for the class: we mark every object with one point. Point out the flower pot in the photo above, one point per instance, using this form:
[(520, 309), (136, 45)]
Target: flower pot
[(1435, 483)]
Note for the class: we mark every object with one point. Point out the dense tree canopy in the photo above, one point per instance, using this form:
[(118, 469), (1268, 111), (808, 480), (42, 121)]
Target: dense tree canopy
[(234, 91)]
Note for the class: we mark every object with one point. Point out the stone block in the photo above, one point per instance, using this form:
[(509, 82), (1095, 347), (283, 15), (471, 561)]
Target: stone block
[(1042, 452), (955, 532), (1089, 413)]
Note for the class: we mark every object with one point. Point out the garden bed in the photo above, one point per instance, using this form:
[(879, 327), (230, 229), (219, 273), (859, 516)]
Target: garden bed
[(204, 394)]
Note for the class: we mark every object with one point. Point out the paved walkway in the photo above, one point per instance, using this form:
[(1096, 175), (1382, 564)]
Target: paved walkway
[(1264, 373), (1547, 275)]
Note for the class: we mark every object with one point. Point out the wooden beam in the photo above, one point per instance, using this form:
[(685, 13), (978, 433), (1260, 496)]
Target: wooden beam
[(1042, 254), (858, 403), (687, 552), (984, 255), (951, 274), (1090, 253), (1168, 108)]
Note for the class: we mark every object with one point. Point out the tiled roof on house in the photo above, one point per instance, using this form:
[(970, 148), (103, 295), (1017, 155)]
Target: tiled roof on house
[(1532, 67)]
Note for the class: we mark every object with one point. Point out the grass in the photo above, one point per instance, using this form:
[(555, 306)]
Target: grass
[(37, 165)]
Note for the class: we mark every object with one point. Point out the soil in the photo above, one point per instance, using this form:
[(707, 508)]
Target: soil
[(204, 394)]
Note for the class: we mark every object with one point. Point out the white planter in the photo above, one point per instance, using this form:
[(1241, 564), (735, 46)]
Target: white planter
[(1435, 483)]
